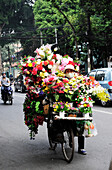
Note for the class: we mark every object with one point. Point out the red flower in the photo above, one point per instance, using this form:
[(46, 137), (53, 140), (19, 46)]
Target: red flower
[(90, 98), (54, 87), (60, 84), (61, 91), (54, 56), (26, 122), (51, 78), (39, 67), (84, 99), (65, 81), (45, 63), (51, 63), (34, 72)]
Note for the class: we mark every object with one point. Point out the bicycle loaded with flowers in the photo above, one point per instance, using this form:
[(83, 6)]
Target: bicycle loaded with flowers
[(46, 81)]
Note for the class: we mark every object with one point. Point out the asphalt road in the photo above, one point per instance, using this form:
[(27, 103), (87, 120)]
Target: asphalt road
[(18, 152)]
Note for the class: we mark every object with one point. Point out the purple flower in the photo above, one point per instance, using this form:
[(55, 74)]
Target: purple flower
[(41, 93)]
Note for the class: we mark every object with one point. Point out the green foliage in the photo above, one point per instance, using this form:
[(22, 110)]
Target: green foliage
[(7, 9)]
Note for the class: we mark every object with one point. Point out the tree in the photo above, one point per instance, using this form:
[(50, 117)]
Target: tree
[(20, 26), (7, 9)]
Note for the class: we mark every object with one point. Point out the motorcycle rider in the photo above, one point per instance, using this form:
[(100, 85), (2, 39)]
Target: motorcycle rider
[(69, 73), (4, 80)]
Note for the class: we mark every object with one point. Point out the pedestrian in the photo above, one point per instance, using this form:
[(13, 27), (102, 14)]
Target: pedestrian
[(69, 73)]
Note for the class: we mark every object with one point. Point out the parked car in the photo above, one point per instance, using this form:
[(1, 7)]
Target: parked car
[(19, 83), (104, 77)]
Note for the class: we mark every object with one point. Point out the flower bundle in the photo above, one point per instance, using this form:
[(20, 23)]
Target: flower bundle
[(45, 77)]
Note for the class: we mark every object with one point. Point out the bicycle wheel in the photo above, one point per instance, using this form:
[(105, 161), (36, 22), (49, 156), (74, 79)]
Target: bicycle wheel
[(68, 144), (52, 144)]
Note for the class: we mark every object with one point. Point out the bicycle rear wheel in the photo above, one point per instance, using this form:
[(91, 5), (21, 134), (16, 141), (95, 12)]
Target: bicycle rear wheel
[(52, 144), (68, 144)]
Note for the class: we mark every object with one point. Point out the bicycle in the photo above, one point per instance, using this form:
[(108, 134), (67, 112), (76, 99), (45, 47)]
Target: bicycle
[(62, 130)]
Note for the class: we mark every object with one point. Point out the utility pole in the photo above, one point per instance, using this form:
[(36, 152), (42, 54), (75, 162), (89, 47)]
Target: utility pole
[(56, 36), (9, 59), (89, 43), (41, 40), (89, 57)]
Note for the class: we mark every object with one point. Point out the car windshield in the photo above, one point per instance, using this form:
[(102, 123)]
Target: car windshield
[(101, 75)]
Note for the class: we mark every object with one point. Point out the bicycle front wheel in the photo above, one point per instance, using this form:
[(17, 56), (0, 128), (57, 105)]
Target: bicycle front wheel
[(68, 144)]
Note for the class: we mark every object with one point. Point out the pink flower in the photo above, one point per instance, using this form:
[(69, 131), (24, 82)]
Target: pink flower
[(34, 72), (32, 59), (45, 80), (61, 68), (33, 64)]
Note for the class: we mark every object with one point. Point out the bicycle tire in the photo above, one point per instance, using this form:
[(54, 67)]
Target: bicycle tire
[(52, 144), (68, 144)]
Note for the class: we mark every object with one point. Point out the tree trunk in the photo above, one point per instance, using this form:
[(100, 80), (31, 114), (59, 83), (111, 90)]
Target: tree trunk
[(0, 54)]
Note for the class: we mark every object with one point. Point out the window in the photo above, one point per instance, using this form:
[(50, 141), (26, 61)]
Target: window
[(100, 76), (92, 74)]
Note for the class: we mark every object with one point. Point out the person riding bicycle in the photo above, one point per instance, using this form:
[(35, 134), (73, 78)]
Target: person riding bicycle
[(4, 81), (69, 73)]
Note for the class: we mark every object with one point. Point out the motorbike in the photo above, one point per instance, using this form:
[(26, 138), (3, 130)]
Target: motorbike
[(7, 93)]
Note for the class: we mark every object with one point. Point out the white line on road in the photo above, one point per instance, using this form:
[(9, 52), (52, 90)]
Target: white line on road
[(102, 111)]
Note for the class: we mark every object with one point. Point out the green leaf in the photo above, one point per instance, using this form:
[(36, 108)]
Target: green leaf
[(56, 97)]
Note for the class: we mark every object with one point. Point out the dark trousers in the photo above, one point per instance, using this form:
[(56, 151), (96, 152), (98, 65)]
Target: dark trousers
[(80, 142)]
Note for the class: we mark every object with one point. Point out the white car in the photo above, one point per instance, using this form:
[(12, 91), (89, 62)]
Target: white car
[(104, 77)]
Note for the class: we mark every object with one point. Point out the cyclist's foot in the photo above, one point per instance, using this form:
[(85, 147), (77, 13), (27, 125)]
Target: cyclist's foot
[(59, 138), (82, 151)]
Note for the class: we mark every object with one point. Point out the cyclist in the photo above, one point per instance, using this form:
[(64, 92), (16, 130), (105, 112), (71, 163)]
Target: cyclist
[(69, 73)]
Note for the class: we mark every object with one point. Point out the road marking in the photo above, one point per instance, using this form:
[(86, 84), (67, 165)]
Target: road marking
[(102, 111)]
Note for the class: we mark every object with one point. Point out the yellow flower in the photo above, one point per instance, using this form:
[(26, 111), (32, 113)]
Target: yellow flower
[(85, 105), (55, 110), (46, 88), (65, 90), (42, 74), (30, 64), (28, 72)]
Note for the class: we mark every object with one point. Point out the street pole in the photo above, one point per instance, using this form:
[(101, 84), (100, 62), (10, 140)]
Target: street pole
[(9, 59), (89, 57), (89, 42), (56, 36), (41, 40)]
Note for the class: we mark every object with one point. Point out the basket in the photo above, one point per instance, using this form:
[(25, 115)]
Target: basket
[(46, 109)]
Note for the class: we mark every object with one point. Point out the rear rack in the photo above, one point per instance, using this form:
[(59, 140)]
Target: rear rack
[(73, 118)]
